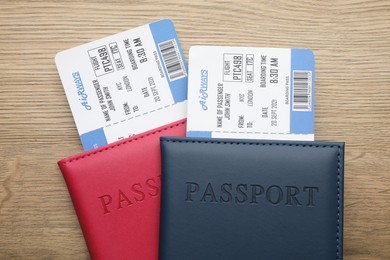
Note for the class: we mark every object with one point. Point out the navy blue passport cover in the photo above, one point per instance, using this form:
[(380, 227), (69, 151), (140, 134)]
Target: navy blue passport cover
[(251, 199)]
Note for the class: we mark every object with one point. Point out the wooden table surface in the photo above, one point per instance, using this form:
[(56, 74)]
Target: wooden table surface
[(351, 42)]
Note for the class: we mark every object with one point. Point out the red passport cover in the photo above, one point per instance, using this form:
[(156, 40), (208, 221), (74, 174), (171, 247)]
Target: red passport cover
[(115, 191)]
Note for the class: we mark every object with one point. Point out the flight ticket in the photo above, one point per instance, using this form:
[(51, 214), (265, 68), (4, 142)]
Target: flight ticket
[(254, 93), (126, 83)]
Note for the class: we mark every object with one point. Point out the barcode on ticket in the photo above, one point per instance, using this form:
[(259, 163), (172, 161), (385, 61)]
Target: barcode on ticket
[(172, 60), (301, 90)]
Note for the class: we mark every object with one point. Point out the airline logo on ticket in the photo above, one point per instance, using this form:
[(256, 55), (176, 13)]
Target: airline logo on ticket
[(258, 93), (125, 84)]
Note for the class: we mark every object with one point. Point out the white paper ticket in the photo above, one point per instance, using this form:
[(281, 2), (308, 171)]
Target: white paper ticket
[(126, 83), (258, 93)]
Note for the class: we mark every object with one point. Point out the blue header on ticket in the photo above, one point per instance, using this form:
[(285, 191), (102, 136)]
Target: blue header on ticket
[(206, 134), (302, 92), (93, 139), (171, 55)]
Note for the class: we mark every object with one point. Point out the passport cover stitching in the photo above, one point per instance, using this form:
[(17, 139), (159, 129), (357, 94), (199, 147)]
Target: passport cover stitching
[(121, 143), (286, 144)]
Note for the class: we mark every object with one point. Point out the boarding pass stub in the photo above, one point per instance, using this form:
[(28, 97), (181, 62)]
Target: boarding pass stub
[(258, 93), (126, 83)]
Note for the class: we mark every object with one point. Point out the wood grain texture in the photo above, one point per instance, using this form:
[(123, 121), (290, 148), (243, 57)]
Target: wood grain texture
[(351, 42)]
